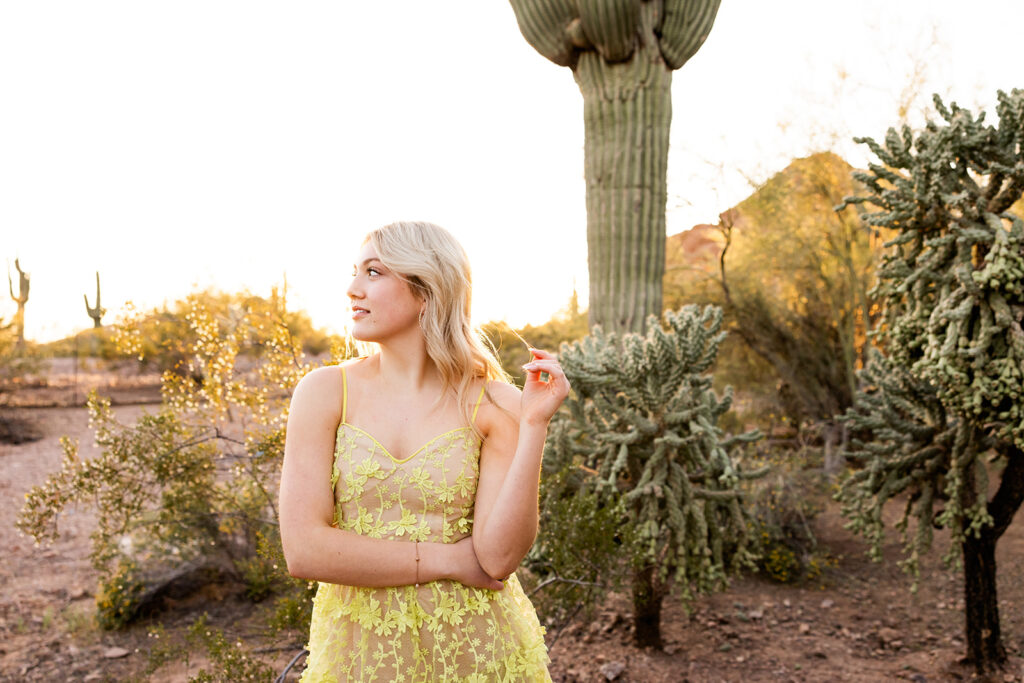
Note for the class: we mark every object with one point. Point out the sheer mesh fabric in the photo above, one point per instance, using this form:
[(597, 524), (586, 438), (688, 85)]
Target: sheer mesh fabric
[(439, 631)]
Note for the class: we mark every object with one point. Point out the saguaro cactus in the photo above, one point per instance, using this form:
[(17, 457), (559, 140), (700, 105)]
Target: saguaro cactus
[(622, 54), (20, 299), (95, 312)]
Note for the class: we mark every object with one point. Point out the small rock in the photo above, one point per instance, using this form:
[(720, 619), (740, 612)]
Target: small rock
[(918, 678), (756, 614), (827, 603), (115, 653), (805, 628), (94, 676), (786, 602), (724, 647), (612, 670), (615, 621), (889, 635), (78, 594)]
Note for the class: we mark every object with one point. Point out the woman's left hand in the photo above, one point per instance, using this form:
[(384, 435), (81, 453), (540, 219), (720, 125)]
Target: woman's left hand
[(542, 398)]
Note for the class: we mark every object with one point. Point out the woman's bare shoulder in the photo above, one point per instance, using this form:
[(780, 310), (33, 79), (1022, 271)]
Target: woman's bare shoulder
[(502, 394), (499, 405)]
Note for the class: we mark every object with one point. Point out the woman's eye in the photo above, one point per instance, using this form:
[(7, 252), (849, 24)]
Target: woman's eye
[(372, 271)]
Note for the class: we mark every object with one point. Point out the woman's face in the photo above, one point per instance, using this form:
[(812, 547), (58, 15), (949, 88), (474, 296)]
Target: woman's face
[(383, 303)]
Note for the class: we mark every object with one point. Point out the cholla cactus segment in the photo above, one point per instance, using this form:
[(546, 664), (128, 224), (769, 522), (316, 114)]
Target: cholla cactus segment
[(642, 422), (952, 284)]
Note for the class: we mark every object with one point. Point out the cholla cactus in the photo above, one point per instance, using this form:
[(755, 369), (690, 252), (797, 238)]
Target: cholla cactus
[(95, 312), (952, 290), (622, 54), (643, 420)]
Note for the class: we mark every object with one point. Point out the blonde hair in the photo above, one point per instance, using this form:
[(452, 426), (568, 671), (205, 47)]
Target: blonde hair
[(437, 269)]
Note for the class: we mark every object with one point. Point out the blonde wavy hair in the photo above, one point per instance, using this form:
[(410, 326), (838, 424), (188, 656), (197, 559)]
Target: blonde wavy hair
[(437, 269)]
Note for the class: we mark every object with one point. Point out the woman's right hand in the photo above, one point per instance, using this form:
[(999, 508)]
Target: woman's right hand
[(466, 569)]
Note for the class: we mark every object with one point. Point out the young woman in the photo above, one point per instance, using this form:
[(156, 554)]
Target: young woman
[(409, 488)]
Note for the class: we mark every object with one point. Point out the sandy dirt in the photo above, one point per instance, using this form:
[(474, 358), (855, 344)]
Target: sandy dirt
[(859, 623)]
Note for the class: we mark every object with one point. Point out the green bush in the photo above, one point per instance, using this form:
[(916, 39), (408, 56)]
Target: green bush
[(196, 481)]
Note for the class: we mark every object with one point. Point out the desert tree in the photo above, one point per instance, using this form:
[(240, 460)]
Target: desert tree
[(622, 54), (943, 410)]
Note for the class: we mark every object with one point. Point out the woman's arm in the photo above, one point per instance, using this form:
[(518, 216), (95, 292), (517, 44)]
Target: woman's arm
[(313, 548), (505, 518)]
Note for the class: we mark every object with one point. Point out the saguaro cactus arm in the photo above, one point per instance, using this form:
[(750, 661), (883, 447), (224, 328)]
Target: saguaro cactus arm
[(686, 26), (611, 26), (545, 25)]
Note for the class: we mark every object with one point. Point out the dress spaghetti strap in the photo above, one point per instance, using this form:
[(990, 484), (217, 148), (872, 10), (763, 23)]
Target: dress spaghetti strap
[(475, 408)]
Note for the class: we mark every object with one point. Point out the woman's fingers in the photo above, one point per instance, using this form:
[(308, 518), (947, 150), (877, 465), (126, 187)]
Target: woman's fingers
[(543, 365), (541, 353)]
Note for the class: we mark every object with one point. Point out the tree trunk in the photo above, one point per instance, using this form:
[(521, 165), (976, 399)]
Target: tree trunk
[(834, 452), (984, 643), (627, 110), (985, 648), (647, 599)]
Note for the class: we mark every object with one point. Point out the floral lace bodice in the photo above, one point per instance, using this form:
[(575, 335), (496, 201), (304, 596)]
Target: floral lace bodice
[(438, 631)]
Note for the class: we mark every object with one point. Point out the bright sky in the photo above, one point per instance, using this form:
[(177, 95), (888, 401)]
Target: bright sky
[(171, 145)]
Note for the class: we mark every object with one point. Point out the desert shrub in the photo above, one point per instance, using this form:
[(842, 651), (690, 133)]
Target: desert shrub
[(561, 579), (783, 507), (117, 597), (228, 662), (163, 337), (193, 483)]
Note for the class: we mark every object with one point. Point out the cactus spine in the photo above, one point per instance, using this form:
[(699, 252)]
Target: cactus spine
[(21, 299), (622, 54), (95, 312), (948, 398)]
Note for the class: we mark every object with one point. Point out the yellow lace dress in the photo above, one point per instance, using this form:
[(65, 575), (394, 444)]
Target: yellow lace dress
[(439, 631)]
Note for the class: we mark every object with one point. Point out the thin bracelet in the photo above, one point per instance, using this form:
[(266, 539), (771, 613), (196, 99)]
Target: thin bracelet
[(417, 564)]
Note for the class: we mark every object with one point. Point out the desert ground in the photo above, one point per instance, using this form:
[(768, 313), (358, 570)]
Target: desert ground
[(858, 622)]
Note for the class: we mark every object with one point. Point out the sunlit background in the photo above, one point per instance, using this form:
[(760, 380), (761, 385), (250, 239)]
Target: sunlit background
[(179, 145)]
